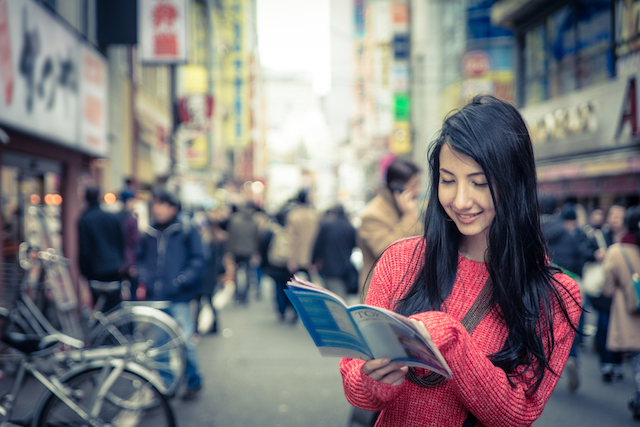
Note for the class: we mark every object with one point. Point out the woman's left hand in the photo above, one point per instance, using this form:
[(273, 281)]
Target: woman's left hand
[(385, 371)]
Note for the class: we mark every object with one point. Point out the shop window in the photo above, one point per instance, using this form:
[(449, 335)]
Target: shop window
[(26, 183), (627, 26), (569, 50)]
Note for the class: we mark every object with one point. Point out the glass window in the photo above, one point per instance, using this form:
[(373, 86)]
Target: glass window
[(535, 66), (595, 58), (561, 31), (23, 187), (570, 49)]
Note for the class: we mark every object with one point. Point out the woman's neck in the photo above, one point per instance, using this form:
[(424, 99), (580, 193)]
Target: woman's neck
[(473, 247)]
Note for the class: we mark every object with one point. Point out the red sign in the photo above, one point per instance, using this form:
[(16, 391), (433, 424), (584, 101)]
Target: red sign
[(475, 63)]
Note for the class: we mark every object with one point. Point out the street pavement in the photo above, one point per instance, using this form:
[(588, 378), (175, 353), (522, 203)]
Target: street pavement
[(261, 372)]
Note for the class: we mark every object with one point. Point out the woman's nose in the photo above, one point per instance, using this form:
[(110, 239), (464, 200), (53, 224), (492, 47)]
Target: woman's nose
[(462, 199)]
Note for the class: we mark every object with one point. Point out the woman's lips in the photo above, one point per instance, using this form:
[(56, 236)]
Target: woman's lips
[(467, 218)]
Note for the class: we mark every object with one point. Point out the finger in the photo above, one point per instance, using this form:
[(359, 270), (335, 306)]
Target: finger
[(382, 369), (374, 364), (397, 378)]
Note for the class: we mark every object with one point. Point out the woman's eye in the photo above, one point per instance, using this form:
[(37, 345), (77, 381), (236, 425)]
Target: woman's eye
[(446, 181), (480, 184)]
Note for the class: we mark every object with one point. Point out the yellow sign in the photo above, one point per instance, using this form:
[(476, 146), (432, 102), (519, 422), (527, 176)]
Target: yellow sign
[(400, 141), (233, 86), (196, 152), (194, 79)]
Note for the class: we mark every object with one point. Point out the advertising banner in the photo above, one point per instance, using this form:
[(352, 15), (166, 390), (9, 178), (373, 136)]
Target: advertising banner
[(162, 31), (52, 84), (93, 99)]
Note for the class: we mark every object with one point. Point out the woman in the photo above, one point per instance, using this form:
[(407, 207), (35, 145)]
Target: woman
[(481, 226), (624, 328), (391, 215)]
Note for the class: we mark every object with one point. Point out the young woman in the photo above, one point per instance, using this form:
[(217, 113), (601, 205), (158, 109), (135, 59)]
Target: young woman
[(481, 228)]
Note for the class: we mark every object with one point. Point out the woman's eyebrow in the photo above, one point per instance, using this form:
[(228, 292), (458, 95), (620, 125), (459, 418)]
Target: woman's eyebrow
[(479, 173)]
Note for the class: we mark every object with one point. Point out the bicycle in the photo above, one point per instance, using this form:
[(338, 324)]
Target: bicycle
[(103, 387), (130, 323)]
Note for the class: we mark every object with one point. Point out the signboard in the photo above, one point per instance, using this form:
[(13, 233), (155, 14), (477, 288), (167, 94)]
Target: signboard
[(594, 119), (93, 100), (162, 31), (400, 142), (51, 84)]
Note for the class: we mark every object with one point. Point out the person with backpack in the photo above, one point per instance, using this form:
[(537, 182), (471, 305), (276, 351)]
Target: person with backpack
[(275, 247), (170, 267)]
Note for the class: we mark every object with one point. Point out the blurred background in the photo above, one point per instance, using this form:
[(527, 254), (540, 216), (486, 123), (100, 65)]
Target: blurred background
[(228, 100)]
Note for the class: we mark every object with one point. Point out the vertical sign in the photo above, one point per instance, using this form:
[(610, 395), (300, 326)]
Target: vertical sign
[(93, 101), (162, 31), (239, 70)]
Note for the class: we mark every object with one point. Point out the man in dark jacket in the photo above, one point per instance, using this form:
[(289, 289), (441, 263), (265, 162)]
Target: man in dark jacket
[(565, 249), (101, 251), (170, 266), (332, 251)]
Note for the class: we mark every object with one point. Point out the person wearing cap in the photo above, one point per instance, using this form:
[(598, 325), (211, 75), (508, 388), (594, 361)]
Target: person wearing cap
[(170, 266)]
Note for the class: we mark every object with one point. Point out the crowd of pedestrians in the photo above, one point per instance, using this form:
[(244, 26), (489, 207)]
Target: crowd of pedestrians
[(591, 247)]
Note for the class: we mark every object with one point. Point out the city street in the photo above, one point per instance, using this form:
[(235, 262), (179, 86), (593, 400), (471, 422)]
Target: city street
[(260, 372)]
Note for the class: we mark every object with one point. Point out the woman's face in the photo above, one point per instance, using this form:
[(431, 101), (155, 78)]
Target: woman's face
[(463, 192)]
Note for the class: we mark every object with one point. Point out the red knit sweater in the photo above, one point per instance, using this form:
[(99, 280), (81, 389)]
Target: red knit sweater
[(477, 385)]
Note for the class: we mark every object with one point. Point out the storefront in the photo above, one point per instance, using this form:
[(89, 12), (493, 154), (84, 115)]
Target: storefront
[(52, 114), (577, 71), (587, 143)]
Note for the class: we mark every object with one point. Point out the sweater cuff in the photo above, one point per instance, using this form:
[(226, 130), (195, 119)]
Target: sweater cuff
[(379, 392)]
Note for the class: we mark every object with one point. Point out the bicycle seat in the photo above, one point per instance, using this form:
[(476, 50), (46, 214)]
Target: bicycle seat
[(28, 343)]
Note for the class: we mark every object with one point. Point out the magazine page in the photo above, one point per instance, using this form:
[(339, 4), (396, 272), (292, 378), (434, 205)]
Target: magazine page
[(391, 335), (329, 323)]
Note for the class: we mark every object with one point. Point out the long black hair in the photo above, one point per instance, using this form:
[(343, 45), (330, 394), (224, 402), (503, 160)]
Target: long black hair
[(493, 133)]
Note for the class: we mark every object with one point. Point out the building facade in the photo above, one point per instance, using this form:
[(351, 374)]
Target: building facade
[(577, 69)]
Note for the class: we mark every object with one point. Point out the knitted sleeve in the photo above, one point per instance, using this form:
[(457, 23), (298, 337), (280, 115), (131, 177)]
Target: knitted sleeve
[(476, 385)]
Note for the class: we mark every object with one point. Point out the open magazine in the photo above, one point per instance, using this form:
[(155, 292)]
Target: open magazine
[(362, 331)]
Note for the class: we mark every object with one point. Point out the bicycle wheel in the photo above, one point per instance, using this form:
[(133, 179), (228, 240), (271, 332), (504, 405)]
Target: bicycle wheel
[(167, 355), (130, 401)]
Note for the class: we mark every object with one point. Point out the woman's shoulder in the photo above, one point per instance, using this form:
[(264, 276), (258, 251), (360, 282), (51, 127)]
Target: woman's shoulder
[(406, 244), (569, 291)]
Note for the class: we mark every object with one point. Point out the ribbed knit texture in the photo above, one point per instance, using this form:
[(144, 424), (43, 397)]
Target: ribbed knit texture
[(477, 385)]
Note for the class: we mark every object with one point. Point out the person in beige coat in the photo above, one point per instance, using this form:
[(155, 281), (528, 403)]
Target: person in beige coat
[(302, 225), (391, 215), (624, 328)]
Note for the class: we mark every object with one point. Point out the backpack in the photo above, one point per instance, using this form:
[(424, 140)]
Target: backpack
[(278, 253)]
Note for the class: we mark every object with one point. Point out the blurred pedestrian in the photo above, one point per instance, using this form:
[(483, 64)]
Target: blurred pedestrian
[(601, 236), (242, 243), (302, 224), (564, 251), (129, 223), (335, 240), (391, 215), (214, 242), (621, 261), (170, 264), (482, 260), (101, 249), (275, 246)]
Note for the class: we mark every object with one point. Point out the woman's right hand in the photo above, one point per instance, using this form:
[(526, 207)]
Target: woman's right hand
[(385, 371), (407, 202)]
